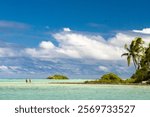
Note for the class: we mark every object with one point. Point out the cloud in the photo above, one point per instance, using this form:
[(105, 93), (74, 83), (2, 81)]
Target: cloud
[(4, 68), (9, 52), (120, 39), (103, 68), (143, 31), (43, 53), (87, 46), (46, 45), (14, 25), (77, 45), (67, 29), (80, 46)]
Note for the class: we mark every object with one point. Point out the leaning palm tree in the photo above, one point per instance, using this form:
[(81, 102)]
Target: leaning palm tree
[(134, 52)]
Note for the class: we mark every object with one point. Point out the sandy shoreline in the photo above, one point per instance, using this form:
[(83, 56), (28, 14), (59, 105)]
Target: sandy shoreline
[(66, 83), (137, 84)]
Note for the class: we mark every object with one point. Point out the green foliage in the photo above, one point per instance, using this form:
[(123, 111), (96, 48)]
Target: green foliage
[(134, 51), (141, 75), (130, 81), (141, 59), (109, 78), (145, 61), (58, 77)]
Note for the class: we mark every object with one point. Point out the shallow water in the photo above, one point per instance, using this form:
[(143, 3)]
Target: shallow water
[(39, 89)]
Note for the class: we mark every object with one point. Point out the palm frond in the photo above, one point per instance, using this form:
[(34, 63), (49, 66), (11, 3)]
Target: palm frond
[(125, 54)]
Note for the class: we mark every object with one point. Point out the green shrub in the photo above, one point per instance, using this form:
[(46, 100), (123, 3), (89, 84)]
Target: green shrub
[(58, 77), (110, 78), (130, 80), (141, 75)]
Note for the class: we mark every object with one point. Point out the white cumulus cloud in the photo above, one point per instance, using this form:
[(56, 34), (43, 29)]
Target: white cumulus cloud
[(76, 45), (46, 45), (120, 39), (143, 31), (87, 46), (67, 29)]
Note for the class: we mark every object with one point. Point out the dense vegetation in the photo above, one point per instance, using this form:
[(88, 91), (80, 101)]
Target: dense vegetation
[(58, 77), (109, 78), (140, 55)]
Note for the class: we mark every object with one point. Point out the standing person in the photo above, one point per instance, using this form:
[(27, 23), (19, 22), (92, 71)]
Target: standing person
[(29, 80), (26, 80)]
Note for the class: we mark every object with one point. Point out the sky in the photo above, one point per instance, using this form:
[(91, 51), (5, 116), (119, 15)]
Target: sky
[(77, 38)]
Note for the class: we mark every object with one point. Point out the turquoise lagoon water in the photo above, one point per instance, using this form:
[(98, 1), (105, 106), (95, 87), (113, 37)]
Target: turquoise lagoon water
[(17, 89)]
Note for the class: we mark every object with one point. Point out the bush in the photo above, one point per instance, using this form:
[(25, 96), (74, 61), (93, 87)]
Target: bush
[(58, 77), (141, 75), (110, 78), (130, 80)]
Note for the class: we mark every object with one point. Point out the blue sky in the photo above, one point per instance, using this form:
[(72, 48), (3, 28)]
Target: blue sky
[(78, 38)]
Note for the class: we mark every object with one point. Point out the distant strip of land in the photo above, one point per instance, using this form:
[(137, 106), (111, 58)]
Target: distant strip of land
[(140, 84), (66, 83)]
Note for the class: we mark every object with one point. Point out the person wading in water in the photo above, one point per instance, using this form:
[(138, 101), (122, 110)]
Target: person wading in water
[(26, 80), (29, 80)]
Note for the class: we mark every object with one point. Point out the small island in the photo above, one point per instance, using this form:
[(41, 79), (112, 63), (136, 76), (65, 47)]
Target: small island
[(109, 78), (58, 77)]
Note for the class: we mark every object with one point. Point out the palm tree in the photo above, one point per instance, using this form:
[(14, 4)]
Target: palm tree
[(140, 56), (135, 52)]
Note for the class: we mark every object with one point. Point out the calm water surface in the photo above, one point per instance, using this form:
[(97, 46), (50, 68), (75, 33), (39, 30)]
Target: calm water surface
[(17, 89)]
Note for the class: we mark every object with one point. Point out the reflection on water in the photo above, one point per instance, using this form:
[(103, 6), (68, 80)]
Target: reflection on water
[(40, 89)]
